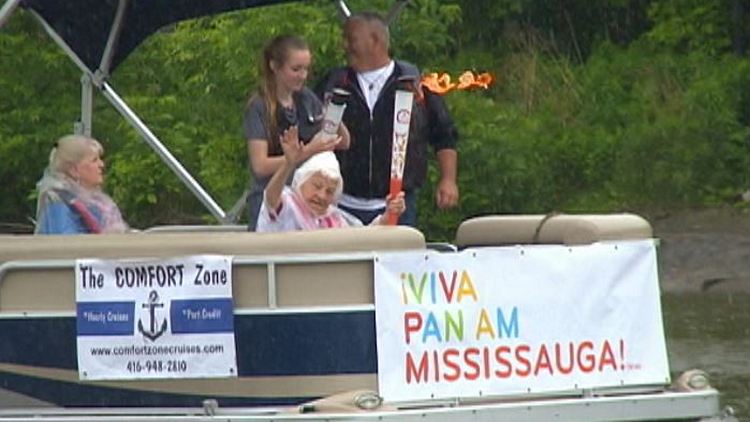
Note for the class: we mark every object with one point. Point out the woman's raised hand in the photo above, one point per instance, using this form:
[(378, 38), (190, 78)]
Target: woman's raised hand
[(321, 142), (292, 146)]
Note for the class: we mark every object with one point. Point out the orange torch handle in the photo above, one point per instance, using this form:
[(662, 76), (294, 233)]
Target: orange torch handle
[(392, 219)]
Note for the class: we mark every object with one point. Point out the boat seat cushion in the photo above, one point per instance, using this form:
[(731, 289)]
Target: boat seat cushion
[(566, 229)]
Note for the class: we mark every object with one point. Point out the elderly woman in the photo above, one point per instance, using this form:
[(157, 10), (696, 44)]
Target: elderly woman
[(310, 203), (70, 197)]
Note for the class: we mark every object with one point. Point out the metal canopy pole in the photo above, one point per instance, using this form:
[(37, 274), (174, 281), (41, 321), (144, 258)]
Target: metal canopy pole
[(61, 43), (133, 119), (343, 10), (162, 151), (393, 13), (7, 10), (84, 126), (114, 36)]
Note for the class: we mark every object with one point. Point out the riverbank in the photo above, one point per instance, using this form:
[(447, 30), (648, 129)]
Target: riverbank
[(703, 250)]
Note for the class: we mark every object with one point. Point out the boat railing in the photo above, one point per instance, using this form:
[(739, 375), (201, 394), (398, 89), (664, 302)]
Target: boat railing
[(270, 270)]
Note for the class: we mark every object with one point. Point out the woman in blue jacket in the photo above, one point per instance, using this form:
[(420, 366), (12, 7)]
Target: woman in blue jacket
[(70, 197)]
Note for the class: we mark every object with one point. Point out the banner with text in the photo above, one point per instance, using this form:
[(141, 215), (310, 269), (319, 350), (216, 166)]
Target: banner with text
[(521, 319), (171, 318)]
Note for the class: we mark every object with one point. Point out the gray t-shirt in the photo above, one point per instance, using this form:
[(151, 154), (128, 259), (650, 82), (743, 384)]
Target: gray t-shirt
[(307, 115)]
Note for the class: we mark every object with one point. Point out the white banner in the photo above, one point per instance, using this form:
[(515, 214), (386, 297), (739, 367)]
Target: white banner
[(514, 320), (169, 318)]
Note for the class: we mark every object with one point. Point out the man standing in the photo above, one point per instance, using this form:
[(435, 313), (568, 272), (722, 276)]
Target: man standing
[(372, 79)]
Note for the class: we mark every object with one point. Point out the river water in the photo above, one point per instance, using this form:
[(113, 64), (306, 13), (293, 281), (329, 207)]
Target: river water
[(711, 331)]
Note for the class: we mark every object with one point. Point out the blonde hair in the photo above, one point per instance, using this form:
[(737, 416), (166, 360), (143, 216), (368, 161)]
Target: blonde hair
[(70, 150)]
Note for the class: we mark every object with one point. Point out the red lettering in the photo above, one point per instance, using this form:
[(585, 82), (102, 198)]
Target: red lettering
[(468, 354), (412, 372), (412, 324), (586, 362), (451, 365), (437, 366), (607, 357), (448, 291), (558, 359), (504, 363), (542, 361), (521, 351)]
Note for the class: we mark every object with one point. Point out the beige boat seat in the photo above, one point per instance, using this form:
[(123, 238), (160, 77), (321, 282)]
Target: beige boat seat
[(565, 229), (197, 228), (37, 272)]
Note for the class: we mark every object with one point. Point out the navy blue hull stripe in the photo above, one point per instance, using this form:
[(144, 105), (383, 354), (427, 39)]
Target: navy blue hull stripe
[(267, 345)]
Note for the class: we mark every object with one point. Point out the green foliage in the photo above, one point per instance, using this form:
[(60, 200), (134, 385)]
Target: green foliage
[(212, 65), (633, 129), (677, 116), (692, 25), (603, 106), (190, 85), (423, 34), (574, 27), (38, 101)]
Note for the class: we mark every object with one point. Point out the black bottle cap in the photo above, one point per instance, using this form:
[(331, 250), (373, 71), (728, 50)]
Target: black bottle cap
[(339, 96)]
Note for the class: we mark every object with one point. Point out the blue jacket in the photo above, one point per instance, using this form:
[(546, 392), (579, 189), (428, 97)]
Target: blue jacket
[(60, 218)]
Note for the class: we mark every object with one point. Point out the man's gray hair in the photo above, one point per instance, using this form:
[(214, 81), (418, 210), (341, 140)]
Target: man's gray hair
[(376, 22)]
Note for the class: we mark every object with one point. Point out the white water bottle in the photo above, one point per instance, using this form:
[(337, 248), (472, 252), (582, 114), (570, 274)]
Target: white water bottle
[(334, 111)]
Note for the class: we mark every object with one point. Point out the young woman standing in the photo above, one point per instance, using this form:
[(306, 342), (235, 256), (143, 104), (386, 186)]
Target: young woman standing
[(282, 102)]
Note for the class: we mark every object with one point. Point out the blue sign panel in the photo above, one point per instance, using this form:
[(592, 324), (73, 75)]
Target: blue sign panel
[(202, 316), (105, 318)]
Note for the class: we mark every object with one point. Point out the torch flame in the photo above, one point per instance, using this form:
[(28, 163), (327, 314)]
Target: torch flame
[(438, 83), (441, 83)]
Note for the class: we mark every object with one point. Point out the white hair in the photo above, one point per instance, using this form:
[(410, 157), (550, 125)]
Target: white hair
[(324, 163)]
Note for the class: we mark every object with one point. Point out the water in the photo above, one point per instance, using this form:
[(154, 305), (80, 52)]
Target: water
[(711, 331)]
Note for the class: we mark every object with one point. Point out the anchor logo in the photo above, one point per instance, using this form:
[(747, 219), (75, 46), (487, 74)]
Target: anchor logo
[(151, 305)]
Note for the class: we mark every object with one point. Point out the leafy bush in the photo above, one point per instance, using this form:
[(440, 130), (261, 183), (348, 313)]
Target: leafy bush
[(634, 128), (587, 114)]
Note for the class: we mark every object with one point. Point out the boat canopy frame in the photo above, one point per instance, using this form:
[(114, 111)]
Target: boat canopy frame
[(98, 35)]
